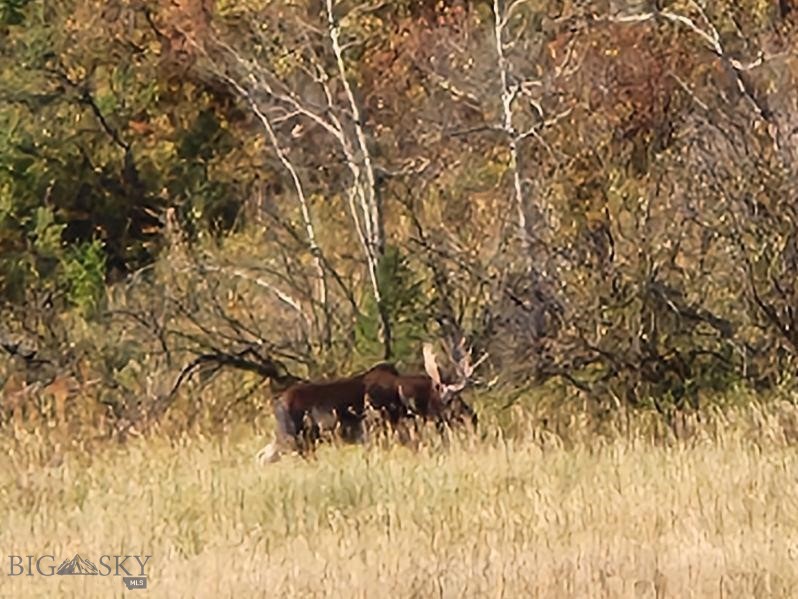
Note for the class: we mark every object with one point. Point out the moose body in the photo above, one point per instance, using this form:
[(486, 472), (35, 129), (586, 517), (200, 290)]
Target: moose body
[(306, 409)]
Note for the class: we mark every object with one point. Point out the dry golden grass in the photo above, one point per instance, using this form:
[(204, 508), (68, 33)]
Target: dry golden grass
[(629, 513)]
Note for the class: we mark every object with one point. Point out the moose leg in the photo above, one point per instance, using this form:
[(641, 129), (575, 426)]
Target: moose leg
[(458, 413), (444, 430), (285, 435), (391, 404), (351, 422), (308, 432)]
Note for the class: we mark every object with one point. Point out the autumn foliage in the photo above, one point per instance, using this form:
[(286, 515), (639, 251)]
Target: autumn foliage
[(602, 198)]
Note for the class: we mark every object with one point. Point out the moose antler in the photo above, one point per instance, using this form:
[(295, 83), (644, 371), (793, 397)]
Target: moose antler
[(430, 363), (462, 359)]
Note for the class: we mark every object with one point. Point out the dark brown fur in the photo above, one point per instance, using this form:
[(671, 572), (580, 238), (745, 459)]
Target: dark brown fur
[(405, 396), (300, 409)]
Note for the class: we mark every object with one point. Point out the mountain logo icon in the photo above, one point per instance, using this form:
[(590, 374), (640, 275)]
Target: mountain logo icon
[(77, 566)]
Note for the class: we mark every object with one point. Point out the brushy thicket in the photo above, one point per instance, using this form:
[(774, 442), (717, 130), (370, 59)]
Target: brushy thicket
[(602, 200)]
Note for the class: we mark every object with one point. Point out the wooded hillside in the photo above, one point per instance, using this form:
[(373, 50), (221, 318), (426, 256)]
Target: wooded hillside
[(602, 195)]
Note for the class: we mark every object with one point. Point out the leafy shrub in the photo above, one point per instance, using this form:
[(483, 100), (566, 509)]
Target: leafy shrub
[(84, 275)]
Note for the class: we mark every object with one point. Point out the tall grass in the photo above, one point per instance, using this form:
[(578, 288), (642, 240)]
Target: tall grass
[(632, 511)]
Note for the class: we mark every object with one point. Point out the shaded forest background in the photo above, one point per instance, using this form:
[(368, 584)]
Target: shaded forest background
[(601, 196)]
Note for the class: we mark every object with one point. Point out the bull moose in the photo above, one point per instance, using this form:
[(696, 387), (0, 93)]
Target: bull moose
[(305, 409)]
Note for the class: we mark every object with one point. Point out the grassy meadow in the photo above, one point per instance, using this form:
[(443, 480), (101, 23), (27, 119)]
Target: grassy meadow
[(632, 508)]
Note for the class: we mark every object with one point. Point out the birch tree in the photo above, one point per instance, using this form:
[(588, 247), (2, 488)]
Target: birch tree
[(521, 95), (303, 83)]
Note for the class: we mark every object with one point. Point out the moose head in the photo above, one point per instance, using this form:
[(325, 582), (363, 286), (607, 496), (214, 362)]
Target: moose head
[(431, 395)]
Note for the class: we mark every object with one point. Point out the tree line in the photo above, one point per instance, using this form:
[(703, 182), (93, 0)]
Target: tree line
[(600, 195)]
